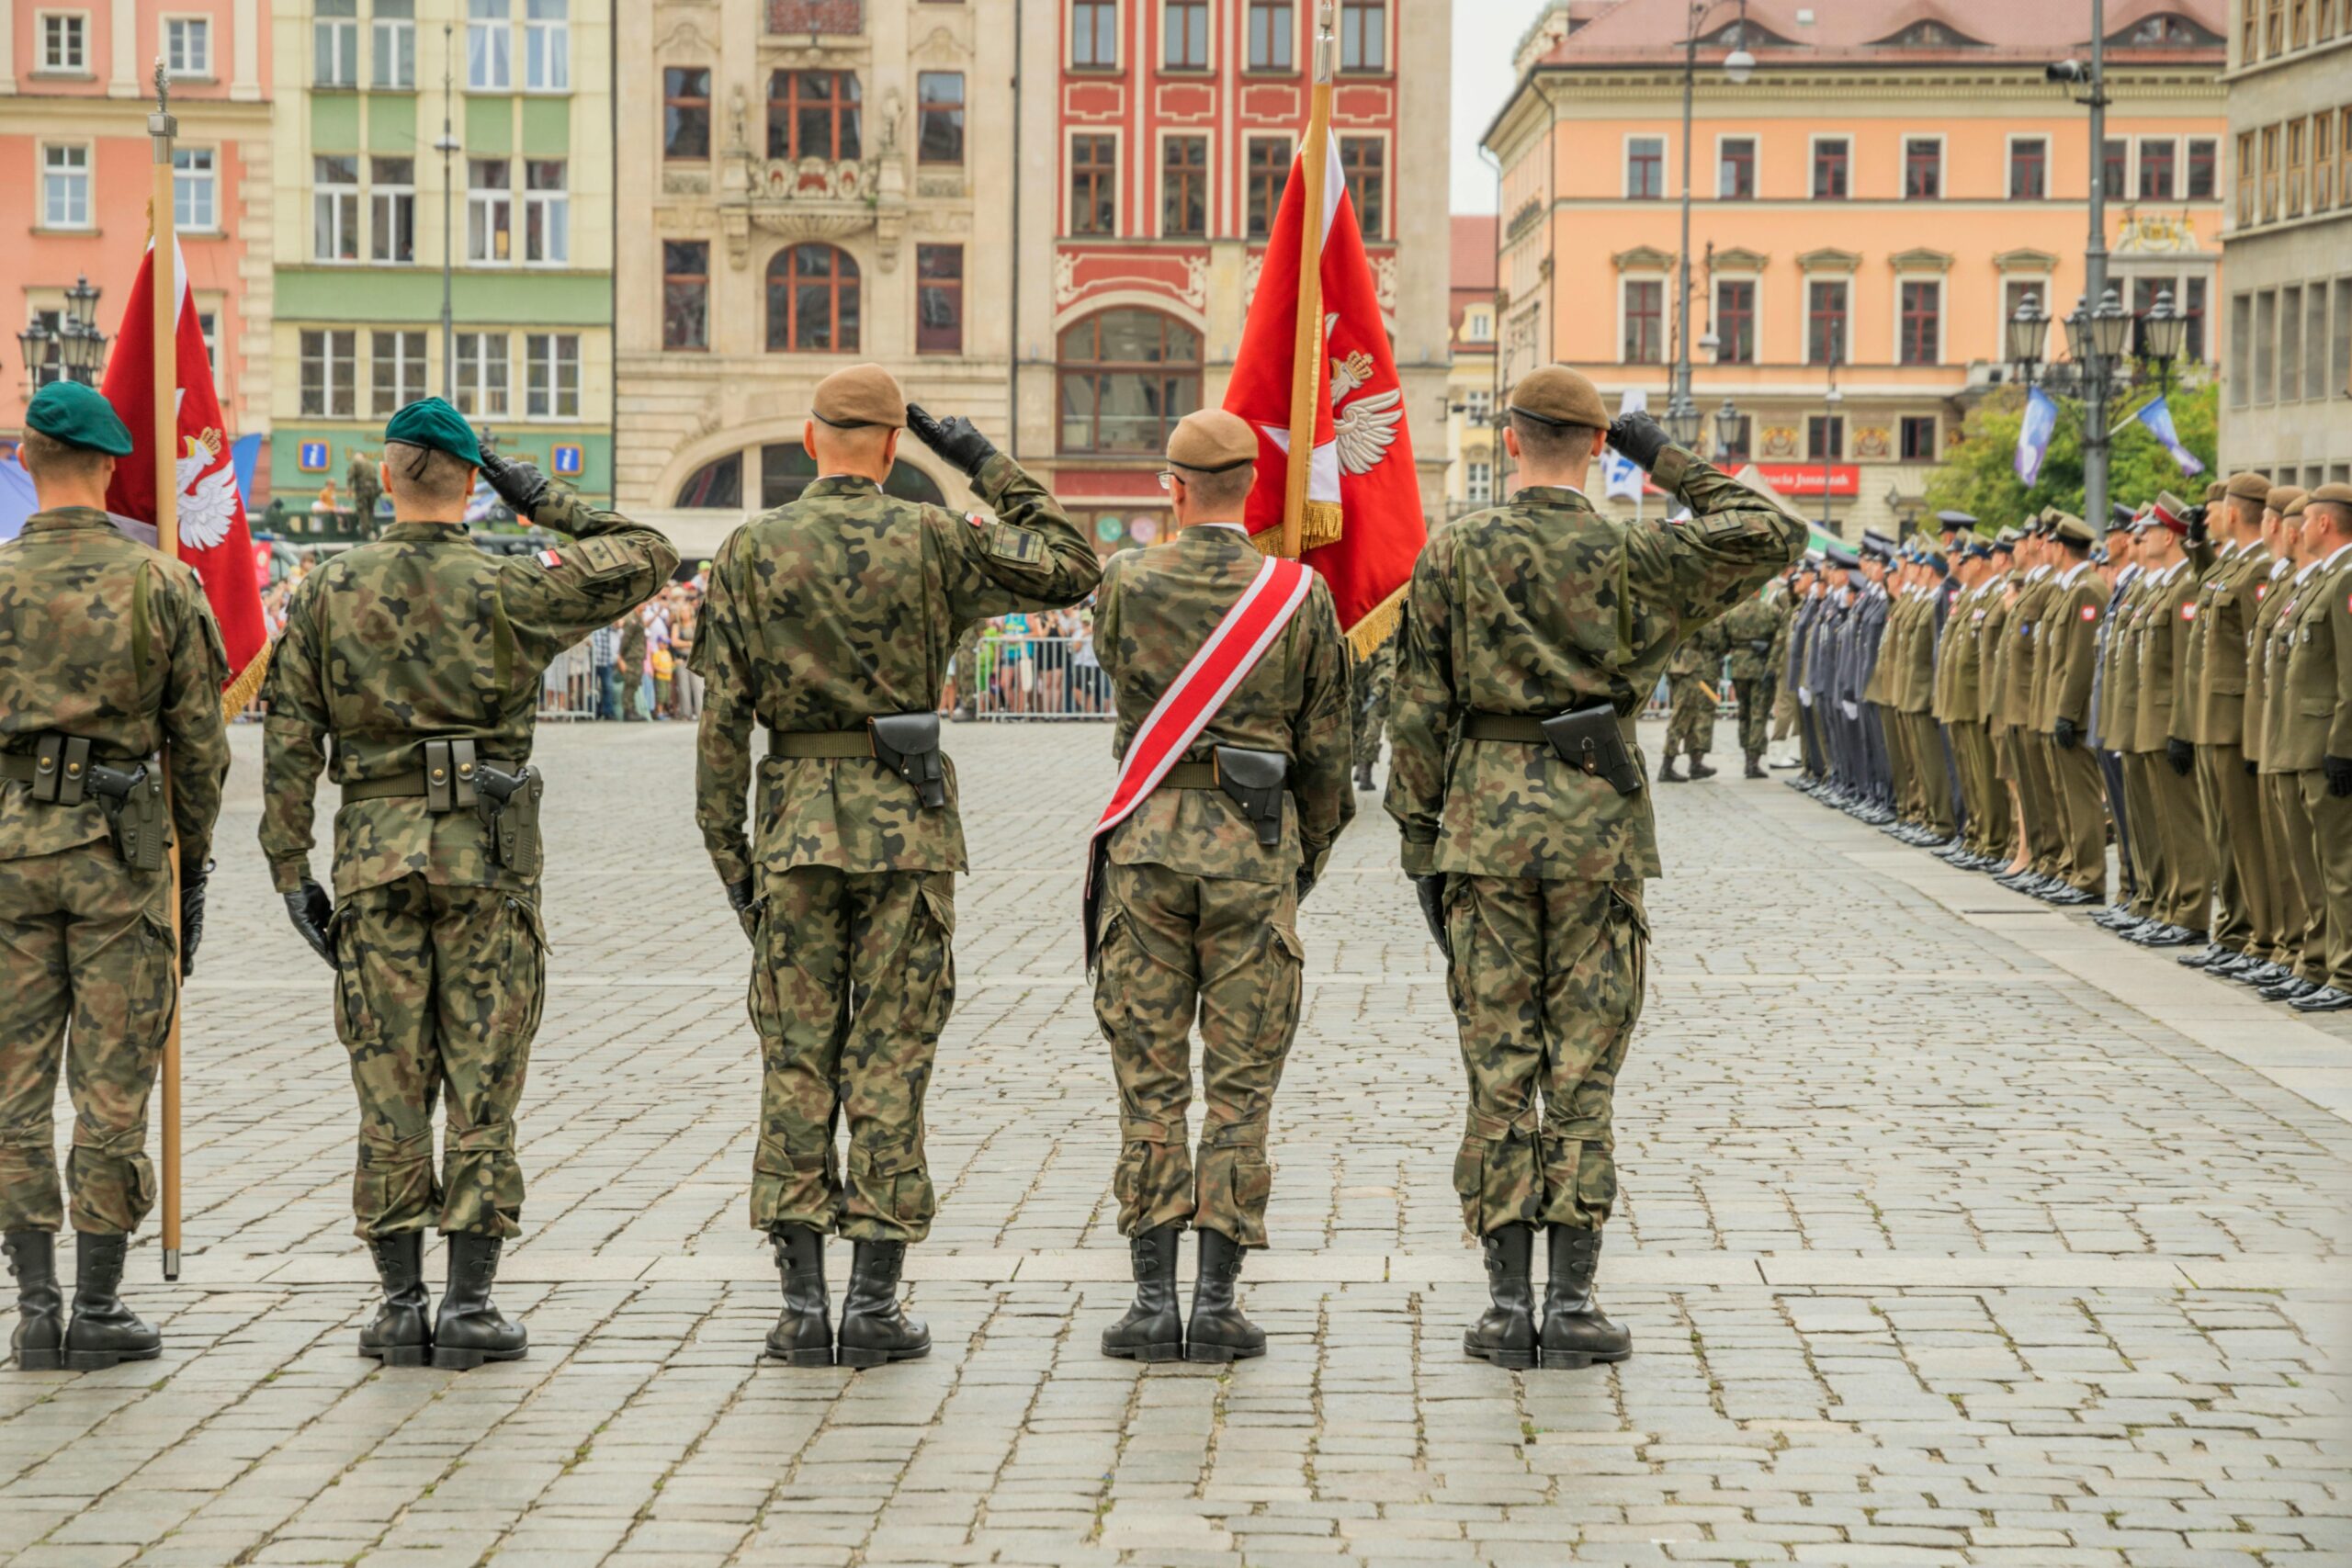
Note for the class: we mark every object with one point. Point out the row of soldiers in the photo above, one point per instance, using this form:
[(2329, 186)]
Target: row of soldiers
[(2016, 703)]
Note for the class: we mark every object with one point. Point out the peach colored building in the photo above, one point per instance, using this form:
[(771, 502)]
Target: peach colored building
[(75, 174), (1893, 177)]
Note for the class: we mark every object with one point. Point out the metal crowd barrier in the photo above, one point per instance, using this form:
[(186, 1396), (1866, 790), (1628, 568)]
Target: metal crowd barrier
[(1035, 678)]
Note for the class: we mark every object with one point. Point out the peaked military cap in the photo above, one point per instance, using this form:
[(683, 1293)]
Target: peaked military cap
[(1951, 519), (860, 397), (1557, 395), (2169, 511), (429, 422), (2007, 540), (2073, 530), (77, 415), (1212, 441), (1876, 545), (2250, 486), (1844, 559), (2119, 515)]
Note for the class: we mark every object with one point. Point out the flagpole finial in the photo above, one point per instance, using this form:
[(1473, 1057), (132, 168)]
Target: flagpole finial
[(1327, 39), (160, 125)]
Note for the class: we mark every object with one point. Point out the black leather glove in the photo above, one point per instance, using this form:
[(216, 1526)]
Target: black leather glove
[(520, 485), (1430, 891), (313, 912), (746, 905), (2198, 530), (192, 914), (2181, 755), (1640, 437), (2339, 776), (956, 439), (2252, 768), (2064, 733)]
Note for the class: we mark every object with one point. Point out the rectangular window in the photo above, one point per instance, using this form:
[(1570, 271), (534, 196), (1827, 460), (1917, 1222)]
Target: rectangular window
[(335, 44), (2269, 173), (2316, 343), (399, 371), (489, 210), (2249, 32), (2339, 354), (2301, 34), (1645, 322), (1825, 304), (1644, 168), (1478, 483), (685, 294), (1094, 184), (2014, 292), (1094, 35), (483, 380), (547, 46), (546, 212), (1185, 35), (2241, 377), (65, 42), (2113, 162), (2156, 155), (2275, 27), (330, 372), (1480, 404), (1184, 187), (2295, 145), (2322, 161), (489, 46), (1736, 320), (391, 209), (1832, 168), (2290, 344), (939, 137), (1920, 438), (551, 369), (2029, 169), (1364, 35), (1921, 341), (209, 325), (1274, 26), (2249, 179), (939, 298), (187, 46), (2266, 345), (2204, 161), (1736, 169), (2193, 342), (1270, 165), (66, 188), (334, 206), (195, 188), (392, 36), (1923, 168), (686, 112), (1365, 160), (1825, 437)]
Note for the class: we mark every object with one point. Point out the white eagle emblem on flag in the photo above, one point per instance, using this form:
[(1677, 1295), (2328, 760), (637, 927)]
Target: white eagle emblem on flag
[(207, 499), (1365, 429)]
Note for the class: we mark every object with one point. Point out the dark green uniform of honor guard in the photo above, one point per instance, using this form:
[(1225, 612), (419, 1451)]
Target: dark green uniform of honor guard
[(830, 624), (1532, 635), (108, 653), (1199, 911), (419, 655)]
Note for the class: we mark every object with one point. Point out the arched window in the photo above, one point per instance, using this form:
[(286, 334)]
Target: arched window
[(812, 301), (1126, 377), (718, 484), (785, 469), (814, 114)]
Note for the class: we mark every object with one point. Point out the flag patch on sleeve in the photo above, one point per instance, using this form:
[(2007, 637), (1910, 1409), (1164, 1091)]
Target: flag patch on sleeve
[(549, 559), (2091, 612)]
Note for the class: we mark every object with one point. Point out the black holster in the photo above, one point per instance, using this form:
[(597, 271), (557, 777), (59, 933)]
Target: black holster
[(1253, 781), (508, 805), (134, 802), (907, 744), (1588, 738)]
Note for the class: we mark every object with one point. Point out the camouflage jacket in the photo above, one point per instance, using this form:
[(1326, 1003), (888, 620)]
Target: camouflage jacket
[(74, 659), (1699, 654), (1156, 609), (846, 605), (423, 636), (1537, 608), (1751, 634)]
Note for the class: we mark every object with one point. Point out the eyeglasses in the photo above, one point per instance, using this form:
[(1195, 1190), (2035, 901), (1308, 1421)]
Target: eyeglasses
[(1166, 481)]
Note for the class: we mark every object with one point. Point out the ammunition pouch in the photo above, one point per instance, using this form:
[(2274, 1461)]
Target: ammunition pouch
[(1253, 781), (508, 805), (907, 744), (61, 768)]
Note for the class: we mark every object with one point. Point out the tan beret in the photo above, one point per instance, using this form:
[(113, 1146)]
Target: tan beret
[(2295, 507), (2337, 494), (1557, 395), (2074, 530), (861, 396), (1212, 441), (2279, 497), (2250, 486), (2216, 490)]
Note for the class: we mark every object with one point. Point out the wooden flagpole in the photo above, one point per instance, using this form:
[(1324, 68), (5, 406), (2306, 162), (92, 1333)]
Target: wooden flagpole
[(1307, 359), (162, 130)]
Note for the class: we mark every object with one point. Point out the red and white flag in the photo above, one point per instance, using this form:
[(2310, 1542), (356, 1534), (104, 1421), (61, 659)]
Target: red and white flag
[(214, 539), (1364, 525)]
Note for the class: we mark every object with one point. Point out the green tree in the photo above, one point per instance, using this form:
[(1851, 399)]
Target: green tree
[(1978, 475)]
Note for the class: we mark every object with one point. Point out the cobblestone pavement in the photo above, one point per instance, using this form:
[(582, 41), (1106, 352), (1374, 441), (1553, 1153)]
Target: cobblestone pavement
[(1953, 1232)]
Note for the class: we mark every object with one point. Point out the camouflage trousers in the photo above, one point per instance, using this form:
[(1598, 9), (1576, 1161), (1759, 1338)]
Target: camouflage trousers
[(1370, 678), (1691, 717), (1547, 983), (853, 978), (437, 994), (1756, 714), (1176, 946), (88, 975)]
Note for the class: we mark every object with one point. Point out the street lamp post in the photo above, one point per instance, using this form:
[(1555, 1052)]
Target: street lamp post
[(76, 346), (1830, 432), (2105, 342), (1683, 418), (446, 147)]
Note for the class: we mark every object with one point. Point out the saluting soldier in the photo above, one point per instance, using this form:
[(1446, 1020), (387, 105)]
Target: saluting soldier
[(830, 621), (1752, 633), (2067, 651), (1199, 902), (112, 654), (2315, 732), (419, 657), (1532, 633)]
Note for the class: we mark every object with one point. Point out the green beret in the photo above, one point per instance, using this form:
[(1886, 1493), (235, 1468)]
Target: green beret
[(429, 422), (71, 412)]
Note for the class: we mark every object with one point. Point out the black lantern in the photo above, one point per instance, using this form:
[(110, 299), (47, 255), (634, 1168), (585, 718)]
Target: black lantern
[(1683, 420), (2027, 330), (1729, 422), (2111, 327), (2166, 331)]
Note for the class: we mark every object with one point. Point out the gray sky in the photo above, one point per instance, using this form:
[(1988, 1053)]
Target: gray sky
[(1485, 31)]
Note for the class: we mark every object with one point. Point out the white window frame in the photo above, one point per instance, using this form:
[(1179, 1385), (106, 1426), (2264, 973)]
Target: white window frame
[(543, 351), (411, 372), (477, 394), (1853, 162), (548, 213), (1665, 322), (482, 204), (82, 177), (42, 64), (383, 221), (1479, 482), (2049, 165), (207, 322), (391, 39), (339, 205), (1478, 325), (187, 27), (2040, 284), (1208, 45), (205, 182), (1298, 7), (47, 309), (546, 48), (489, 46), (1805, 280), (1756, 140), (1070, 133), (344, 30), (1387, 66), (1478, 404), (1118, 38), (1625, 165), (1943, 318), (1714, 308), (329, 386), (2179, 168), (1161, 137), (1943, 165)]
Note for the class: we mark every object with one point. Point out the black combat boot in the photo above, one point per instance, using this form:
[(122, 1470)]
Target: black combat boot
[(1755, 766), (875, 1329), (1152, 1330), (104, 1332), (1218, 1331), (39, 1342), (1666, 774), (401, 1335), (1506, 1335), (1699, 769), (470, 1329), (803, 1335), (1363, 776), (1575, 1332)]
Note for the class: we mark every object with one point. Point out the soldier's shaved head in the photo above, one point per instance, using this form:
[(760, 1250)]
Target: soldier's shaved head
[(426, 484), (65, 474), (1550, 454), (865, 451)]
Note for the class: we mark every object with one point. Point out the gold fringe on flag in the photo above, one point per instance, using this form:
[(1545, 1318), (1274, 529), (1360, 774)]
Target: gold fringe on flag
[(1379, 623), (241, 692), (1319, 525)]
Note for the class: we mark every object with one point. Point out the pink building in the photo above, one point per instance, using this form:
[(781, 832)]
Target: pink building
[(76, 83)]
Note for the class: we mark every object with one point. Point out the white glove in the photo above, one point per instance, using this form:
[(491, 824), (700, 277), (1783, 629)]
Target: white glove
[(1853, 710), (1804, 696)]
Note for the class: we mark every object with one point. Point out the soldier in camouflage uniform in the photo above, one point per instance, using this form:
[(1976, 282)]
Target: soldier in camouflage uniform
[(1530, 870), (364, 490), (631, 663), (1753, 633), (830, 621), (1198, 917), (111, 653), (1375, 673), (393, 650), (1692, 699)]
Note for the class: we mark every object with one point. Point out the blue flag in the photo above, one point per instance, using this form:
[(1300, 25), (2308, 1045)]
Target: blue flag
[(2157, 417), (2033, 435)]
